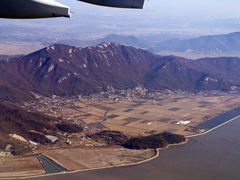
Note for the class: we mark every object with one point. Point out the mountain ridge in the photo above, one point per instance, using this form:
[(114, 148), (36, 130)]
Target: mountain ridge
[(68, 70)]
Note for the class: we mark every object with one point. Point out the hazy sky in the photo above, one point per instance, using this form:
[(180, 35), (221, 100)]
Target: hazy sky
[(174, 17), (197, 16), (159, 18), (174, 8)]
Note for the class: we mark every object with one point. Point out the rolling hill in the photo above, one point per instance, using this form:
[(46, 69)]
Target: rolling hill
[(32, 126)]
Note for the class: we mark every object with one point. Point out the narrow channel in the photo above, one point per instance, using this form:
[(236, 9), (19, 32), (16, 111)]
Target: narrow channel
[(218, 120), (49, 165)]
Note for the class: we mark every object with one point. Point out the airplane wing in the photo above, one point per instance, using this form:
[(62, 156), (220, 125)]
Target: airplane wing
[(30, 9), (136, 4)]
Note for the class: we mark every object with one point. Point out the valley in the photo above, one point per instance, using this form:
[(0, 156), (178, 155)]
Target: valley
[(137, 111)]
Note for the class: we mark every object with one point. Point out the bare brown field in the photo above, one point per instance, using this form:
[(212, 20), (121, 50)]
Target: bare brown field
[(13, 167), (134, 118), (97, 157)]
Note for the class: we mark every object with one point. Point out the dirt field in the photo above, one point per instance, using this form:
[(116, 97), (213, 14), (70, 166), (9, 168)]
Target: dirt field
[(146, 117), (89, 158), (19, 166), (73, 158)]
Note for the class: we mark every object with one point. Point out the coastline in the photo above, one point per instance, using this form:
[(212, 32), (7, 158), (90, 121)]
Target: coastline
[(157, 153), (210, 130)]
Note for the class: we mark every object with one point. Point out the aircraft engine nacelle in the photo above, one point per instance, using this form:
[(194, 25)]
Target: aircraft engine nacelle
[(136, 4), (29, 9)]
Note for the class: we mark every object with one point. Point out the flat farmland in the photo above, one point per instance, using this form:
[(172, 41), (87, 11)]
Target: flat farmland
[(151, 116), (86, 158), (134, 117), (14, 167)]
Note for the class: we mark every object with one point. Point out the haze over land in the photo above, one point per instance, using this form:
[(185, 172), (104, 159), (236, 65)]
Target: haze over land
[(159, 21)]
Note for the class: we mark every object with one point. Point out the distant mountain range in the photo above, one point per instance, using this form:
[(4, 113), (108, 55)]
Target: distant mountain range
[(225, 43), (67, 70), (203, 46), (122, 39), (163, 44), (128, 40), (4, 57)]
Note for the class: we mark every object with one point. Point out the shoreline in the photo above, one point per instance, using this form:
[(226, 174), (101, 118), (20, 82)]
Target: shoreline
[(157, 153), (210, 130)]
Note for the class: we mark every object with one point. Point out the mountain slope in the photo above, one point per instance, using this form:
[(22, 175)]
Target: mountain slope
[(17, 120), (67, 70), (175, 73), (32, 126)]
